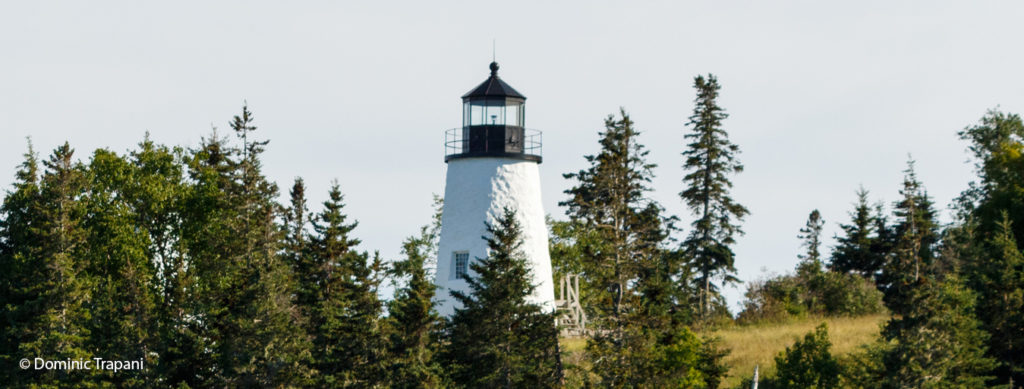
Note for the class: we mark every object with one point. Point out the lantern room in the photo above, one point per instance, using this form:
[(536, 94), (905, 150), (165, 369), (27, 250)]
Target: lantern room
[(493, 124)]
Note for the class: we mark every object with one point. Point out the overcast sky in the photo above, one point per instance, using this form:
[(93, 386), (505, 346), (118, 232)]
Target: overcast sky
[(822, 97)]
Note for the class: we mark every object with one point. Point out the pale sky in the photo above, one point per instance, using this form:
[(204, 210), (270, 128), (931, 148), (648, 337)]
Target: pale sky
[(822, 97)]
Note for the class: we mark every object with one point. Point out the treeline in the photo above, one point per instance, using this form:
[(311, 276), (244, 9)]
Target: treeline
[(184, 259)]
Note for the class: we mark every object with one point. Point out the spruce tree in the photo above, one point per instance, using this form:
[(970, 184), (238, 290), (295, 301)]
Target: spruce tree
[(244, 315), (345, 311), (709, 159), (913, 252), (810, 235), (22, 279), (626, 272), (497, 338), (413, 324), (57, 292), (936, 341), (855, 253)]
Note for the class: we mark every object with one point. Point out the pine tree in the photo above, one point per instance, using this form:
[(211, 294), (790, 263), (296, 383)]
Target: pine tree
[(498, 338), (855, 252), (709, 159), (414, 325)]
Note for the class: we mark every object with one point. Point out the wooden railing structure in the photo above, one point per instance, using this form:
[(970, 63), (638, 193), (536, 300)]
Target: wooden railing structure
[(571, 318)]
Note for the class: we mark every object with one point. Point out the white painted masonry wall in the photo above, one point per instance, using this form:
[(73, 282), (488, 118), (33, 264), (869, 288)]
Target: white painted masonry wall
[(476, 190)]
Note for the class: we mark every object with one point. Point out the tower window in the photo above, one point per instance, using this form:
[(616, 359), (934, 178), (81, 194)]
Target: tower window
[(461, 262)]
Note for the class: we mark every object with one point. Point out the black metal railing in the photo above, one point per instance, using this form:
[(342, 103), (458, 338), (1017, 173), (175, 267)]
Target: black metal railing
[(457, 144)]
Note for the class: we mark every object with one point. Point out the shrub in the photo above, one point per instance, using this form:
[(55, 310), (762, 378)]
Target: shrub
[(818, 293), (808, 364)]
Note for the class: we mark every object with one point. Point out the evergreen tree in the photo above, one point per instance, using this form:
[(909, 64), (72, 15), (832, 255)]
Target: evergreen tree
[(855, 252), (51, 285), (937, 342), (297, 250), (810, 235), (345, 311), (414, 326), (244, 317), (627, 275), (709, 159), (913, 252), (498, 338), (808, 363), (22, 280)]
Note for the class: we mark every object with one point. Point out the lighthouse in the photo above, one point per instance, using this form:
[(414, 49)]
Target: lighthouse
[(493, 163)]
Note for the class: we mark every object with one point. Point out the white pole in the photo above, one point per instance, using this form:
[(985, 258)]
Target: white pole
[(754, 385)]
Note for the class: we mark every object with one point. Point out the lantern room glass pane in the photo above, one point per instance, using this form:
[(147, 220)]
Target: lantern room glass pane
[(495, 115), (476, 115), (512, 117)]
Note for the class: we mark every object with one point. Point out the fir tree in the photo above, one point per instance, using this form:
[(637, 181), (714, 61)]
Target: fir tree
[(57, 293), (855, 252), (498, 338), (22, 279), (413, 323), (709, 159), (345, 310), (913, 252), (244, 316)]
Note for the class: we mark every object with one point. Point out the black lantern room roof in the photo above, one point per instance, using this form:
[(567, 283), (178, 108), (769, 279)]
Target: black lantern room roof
[(493, 88)]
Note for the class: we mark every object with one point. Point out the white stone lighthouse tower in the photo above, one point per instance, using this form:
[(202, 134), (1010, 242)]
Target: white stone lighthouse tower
[(492, 163)]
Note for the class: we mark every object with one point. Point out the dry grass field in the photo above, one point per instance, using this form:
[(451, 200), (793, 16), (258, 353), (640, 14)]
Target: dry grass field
[(759, 343)]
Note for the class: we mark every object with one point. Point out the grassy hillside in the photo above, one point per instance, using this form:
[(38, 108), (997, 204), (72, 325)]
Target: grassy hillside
[(758, 344)]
